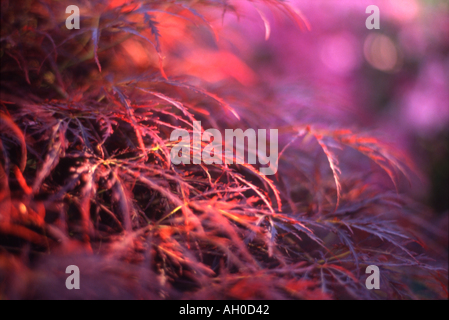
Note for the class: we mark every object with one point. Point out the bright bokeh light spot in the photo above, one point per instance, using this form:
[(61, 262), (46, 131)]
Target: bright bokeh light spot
[(402, 10), (339, 53), (137, 52), (422, 110), (214, 66), (381, 52), (425, 106)]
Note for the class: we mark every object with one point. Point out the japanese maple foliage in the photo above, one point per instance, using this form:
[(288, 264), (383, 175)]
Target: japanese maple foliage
[(86, 176)]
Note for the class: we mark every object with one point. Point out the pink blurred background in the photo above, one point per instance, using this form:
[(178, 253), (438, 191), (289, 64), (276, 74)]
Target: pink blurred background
[(393, 81)]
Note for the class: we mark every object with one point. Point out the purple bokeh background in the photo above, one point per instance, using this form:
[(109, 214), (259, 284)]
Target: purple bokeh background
[(393, 81)]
